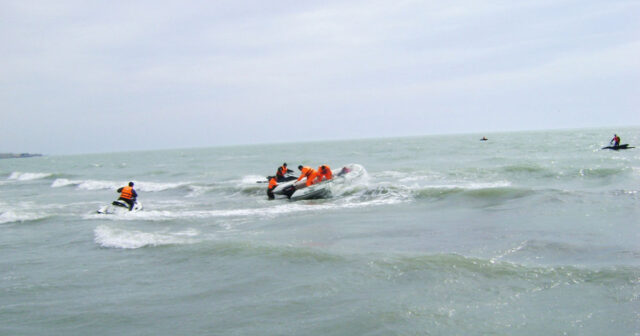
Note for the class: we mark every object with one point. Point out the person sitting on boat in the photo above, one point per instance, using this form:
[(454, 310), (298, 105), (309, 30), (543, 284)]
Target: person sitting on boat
[(324, 171), (128, 195), (307, 172), (615, 140), (484, 139), (273, 183), (282, 170)]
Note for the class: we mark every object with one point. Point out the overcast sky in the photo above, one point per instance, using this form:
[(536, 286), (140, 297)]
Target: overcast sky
[(100, 76)]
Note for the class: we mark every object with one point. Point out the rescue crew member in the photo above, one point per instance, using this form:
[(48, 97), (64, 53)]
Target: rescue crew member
[(128, 195), (273, 183), (307, 172), (282, 171), (324, 171), (616, 140)]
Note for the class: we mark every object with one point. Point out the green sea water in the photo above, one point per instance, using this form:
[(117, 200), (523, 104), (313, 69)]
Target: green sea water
[(528, 233)]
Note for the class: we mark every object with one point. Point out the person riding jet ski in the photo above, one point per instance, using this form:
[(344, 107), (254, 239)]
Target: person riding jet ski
[(128, 195), (281, 172)]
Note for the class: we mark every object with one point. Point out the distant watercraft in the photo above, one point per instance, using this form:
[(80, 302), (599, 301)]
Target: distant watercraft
[(625, 146)]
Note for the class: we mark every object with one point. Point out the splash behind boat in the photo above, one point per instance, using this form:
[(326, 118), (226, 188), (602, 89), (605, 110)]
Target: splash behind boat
[(119, 206)]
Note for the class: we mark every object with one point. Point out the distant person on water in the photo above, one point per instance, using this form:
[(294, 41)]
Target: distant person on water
[(484, 139), (307, 172), (128, 195), (324, 171), (282, 170), (273, 183), (615, 140)]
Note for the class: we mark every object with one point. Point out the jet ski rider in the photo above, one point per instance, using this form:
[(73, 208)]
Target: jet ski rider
[(616, 140), (128, 195), (324, 171), (307, 172), (282, 171)]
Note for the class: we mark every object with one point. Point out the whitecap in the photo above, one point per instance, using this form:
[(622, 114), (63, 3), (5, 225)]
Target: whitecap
[(106, 236), (61, 182), (12, 217), (113, 185), (252, 179), (20, 176)]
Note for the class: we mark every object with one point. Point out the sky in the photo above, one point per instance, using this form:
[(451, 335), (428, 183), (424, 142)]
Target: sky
[(105, 76)]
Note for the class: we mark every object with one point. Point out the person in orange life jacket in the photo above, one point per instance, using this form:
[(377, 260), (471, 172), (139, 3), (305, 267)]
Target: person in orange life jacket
[(273, 183), (324, 171), (128, 195), (616, 140), (282, 171), (307, 172)]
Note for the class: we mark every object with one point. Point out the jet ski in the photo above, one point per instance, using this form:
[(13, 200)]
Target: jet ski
[(299, 190), (285, 183), (119, 206), (625, 146)]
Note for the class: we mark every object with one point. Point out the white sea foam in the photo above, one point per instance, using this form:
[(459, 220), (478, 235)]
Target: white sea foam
[(106, 236), (12, 217), (266, 212), (108, 185), (252, 179), (20, 176), (465, 185), (199, 190)]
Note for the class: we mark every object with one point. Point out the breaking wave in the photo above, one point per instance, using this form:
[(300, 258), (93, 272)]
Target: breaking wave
[(110, 185), (21, 176), (13, 217), (108, 237)]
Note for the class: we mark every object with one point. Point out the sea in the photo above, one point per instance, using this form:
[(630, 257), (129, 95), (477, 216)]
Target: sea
[(528, 233)]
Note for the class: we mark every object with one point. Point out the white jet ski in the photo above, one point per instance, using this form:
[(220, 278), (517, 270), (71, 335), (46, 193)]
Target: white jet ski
[(289, 180), (119, 206), (300, 191)]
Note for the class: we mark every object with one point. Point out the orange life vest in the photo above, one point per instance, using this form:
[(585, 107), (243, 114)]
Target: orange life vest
[(324, 171), (272, 183), (306, 172), (127, 192), (281, 171)]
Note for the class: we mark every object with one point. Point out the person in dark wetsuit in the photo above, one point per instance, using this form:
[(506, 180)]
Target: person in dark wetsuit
[(128, 195)]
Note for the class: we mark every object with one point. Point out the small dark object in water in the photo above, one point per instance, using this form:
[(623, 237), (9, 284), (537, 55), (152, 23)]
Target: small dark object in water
[(625, 146)]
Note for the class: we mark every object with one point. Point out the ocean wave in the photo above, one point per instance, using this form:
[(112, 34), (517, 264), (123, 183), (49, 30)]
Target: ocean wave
[(250, 180), (526, 168), (601, 172), (21, 176), (109, 237), (489, 190), (288, 252), (283, 208), (112, 185), (13, 217), (486, 193), (490, 268)]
